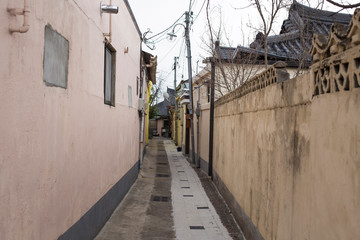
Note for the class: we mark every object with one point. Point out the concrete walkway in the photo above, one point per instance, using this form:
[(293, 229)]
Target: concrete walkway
[(194, 215), (167, 201)]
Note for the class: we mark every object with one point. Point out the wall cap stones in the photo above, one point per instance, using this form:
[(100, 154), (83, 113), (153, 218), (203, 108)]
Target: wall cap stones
[(340, 39), (336, 59), (276, 73)]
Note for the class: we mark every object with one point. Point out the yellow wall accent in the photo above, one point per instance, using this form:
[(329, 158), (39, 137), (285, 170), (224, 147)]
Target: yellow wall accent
[(173, 124), (179, 132)]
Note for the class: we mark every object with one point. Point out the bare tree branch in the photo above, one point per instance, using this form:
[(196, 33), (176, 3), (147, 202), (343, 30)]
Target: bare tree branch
[(209, 25), (344, 5), (156, 91), (268, 18)]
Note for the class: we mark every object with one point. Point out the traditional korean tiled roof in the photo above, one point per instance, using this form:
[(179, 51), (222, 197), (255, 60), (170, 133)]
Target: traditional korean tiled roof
[(225, 53), (163, 106), (320, 21), (293, 43), (171, 93)]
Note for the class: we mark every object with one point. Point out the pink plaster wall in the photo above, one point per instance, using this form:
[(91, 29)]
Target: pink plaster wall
[(61, 150)]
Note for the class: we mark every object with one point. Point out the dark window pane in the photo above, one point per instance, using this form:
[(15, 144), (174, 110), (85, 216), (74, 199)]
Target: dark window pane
[(109, 75), (108, 61)]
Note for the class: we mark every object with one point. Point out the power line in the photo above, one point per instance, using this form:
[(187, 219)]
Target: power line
[(164, 57), (160, 38), (181, 47), (193, 5), (202, 6), (183, 64), (167, 29)]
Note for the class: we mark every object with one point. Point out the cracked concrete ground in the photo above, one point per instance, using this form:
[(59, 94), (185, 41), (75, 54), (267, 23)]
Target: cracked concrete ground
[(168, 201), (137, 217)]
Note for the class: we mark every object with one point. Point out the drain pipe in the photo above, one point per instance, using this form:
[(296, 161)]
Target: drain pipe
[(18, 11), (110, 33), (111, 10)]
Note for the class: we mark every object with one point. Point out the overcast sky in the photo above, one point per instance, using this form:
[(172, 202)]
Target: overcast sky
[(158, 15)]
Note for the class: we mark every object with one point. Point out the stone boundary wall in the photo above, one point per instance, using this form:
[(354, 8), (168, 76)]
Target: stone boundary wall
[(286, 153), (273, 74)]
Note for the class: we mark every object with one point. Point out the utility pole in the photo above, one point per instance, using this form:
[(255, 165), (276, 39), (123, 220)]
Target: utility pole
[(191, 107), (175, 114)]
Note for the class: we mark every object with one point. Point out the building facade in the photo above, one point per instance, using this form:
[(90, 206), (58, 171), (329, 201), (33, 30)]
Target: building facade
[(69, 145)]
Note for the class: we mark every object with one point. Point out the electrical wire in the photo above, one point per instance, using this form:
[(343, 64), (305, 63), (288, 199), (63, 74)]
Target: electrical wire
[(164, 57), (166, 28), (180, 56), (183, 63), (202, 6), (193, 5), (182, 53), (166, 76), (159, 39), (181, 47)]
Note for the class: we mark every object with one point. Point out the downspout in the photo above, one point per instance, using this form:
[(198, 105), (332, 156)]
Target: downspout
[(109, 34), (18, 11)]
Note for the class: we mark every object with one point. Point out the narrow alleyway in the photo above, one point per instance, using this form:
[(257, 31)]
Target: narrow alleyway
[(166, 202)]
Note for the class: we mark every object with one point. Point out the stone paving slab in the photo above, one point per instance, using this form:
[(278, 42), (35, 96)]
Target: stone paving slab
[(194, 215)]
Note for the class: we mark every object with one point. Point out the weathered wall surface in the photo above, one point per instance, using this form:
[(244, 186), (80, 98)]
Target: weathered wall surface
[(62, 149), (335, 165), (204, 136), (290, 160), (202, 88)]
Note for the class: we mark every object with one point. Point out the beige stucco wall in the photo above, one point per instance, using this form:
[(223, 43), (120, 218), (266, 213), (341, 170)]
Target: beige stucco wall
[(202, 79), (61, 150), (204, 132), (292, 160), (335, 165), (204, 119)]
